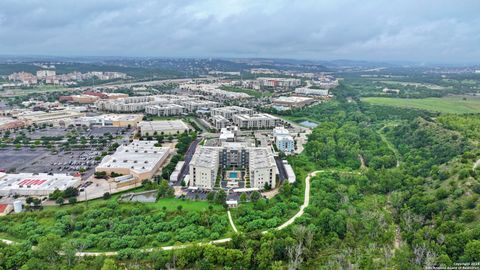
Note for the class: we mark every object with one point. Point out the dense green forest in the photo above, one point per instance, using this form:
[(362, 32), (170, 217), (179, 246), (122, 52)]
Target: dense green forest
[(412, 204)]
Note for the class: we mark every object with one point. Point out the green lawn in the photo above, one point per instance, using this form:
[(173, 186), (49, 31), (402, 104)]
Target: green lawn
[(251, 92), (188, 205), (454, 104), (38, 89)]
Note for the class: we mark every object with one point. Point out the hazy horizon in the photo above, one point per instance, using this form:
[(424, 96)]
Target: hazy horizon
[(395, 31)]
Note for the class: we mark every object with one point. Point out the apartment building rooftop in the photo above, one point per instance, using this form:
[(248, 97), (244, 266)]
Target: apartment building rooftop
[(204, 157)]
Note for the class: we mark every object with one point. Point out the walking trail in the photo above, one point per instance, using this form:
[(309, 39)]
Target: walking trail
[(306, 202)]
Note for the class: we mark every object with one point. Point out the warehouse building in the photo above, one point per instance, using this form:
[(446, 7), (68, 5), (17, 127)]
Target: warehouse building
[(35, 184), (115, 120), (311, 92), (121, 120), (141, 159), (293, 102), (57, 118), (166, 127)]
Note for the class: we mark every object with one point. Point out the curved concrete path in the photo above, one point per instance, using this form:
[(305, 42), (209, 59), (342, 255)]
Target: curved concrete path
[(231, 222), (306, 202)]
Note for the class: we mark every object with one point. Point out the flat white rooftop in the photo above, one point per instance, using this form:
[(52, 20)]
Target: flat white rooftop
[(260, 116), (293, 99), (139, 156), (261, 157), (121, 117), (23, 183), (205, 156), (163, 125)]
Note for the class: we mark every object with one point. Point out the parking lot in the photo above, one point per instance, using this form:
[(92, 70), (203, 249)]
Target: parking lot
[(43, 161), (16, 160), (67, 162), (95, 131)]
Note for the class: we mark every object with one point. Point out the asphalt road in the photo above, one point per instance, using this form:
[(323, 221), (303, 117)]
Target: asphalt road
[(282, 173), (188, 158)]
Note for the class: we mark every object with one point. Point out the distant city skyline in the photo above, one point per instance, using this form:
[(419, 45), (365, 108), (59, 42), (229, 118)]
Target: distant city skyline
[(417, 31)]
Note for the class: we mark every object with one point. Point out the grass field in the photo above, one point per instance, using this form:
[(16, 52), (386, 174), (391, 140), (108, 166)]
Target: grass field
[(453, 104), (39, 89), (250, 92), (172, 203)]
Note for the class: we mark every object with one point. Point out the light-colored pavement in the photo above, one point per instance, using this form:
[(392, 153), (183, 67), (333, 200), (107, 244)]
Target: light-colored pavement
[(8, 242), (476, 164), (306, 202), (231, 222)]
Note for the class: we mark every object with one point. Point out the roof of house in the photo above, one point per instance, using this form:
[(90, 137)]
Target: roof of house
[(3, 207)]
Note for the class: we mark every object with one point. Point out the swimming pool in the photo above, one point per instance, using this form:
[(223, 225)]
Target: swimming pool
[(233, 175)]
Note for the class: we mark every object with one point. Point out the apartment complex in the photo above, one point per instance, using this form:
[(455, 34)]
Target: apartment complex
[(283, 141), (160, 105), (130, 104), (165, 109), (195, 105), (256, 121), (279, 83), (220, 122), (258, 161), (230, 111), (204, 167)]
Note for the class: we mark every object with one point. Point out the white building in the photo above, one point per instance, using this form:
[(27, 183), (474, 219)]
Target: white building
[(165, 109), (166, 127), (311, 92), (256, 121), (213, 89), (293, 102), (141, 159), (285, 143), (227, 134), (220, 122), (57, 118), (279, 83), (229, 111), (204, 167), (262, 167), (283, 140), (42, 74), (207, 160), (32, 184), (115, 120), (176, 172), (289, 171), (195, 105)]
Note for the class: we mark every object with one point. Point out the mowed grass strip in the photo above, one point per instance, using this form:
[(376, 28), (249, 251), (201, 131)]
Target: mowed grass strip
[(444, 105)]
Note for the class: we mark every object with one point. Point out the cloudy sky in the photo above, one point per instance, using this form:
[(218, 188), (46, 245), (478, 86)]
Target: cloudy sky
[(382, 30)]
